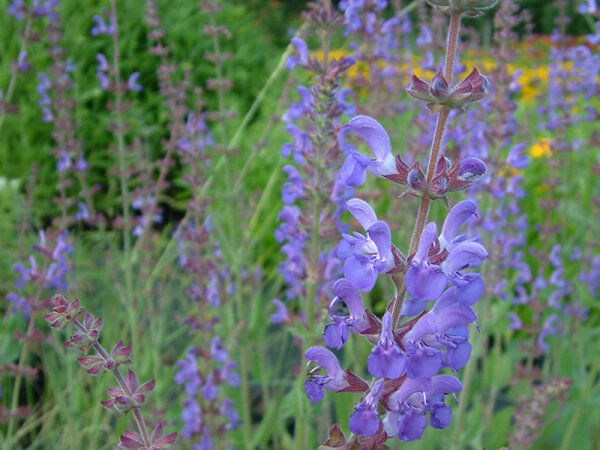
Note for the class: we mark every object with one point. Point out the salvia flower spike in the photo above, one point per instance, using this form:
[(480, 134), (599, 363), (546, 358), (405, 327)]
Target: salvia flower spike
[(129, 395)]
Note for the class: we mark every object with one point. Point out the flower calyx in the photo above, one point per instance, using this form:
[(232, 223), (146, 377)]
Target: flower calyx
[(448, 177), (131, 396), (158, 440), (97, 364), (438, 94), (338, 441), (63, 312), (87, 335), (472, 8)]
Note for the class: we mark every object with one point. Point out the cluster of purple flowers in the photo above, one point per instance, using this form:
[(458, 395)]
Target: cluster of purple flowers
[(405, 358), (48, 270), (550, 294), (54, 88), (210, 406), (19, 10), (209, 415)]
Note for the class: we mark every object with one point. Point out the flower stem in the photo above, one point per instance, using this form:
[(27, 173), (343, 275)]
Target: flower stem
[(451, 46), (434, 156), (122, 383)]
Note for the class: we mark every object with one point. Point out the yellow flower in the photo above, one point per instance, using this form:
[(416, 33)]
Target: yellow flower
[(541, 148)]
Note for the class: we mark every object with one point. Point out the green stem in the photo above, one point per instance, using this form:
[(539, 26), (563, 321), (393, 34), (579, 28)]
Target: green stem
[(247, 421)]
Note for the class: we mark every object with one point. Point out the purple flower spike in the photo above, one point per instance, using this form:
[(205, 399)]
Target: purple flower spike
[(366, 257), (336, 333), (424, 280), (365, 420), (386, 359)]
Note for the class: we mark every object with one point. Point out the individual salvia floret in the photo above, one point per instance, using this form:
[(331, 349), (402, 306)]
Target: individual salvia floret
[(409, 405), (365, 419), (353, 171), (437, 94), (335, 380), (101, 27), (471, 8), (336, 333), (442, 328), (365, 257), (387, 360)]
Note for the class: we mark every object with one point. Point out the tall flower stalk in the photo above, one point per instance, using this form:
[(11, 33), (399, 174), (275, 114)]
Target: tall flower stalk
[(407, 353)]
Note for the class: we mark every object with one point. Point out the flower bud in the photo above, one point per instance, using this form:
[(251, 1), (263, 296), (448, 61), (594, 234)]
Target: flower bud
[(471, 168), (439, 86), (63, 312), (438, 94), (83, 339), (415, 179)]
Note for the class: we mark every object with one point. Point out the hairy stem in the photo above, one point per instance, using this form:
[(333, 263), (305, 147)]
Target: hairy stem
[(122, 383), (434, 156)]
